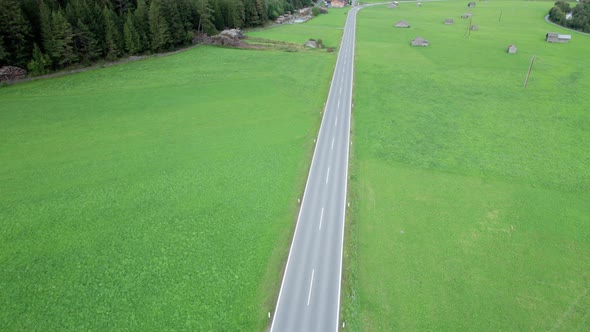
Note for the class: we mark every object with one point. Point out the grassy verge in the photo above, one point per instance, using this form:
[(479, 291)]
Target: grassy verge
[(155, 195), (470, 192)]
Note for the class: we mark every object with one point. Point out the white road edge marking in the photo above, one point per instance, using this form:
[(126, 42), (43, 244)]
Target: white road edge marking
[(328, 175), (310, 287), (336, 121), (321, 218), (332, 148)]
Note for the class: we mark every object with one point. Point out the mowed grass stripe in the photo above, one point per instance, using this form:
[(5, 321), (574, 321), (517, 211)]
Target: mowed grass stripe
[(155, 195), (470, 195)]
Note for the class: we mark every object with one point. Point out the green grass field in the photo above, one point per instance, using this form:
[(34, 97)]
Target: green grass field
[(159, 194), (471, 195), (326, 27)]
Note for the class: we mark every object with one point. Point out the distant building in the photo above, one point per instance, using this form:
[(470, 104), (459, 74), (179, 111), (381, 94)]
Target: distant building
[(402, 24), (338, 3), (471, 4), (554, 37), (466, 15), (449, 21), (474, 27), (419, 41), (512, 49)]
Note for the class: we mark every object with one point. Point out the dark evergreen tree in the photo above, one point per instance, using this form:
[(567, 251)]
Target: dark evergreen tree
[(131, 36), (15, 32), (3, 53), (205, 13), (112, 36), (64, 40), (159, 31), (48, 39), (251, 15), (40, 63), (175, 27), (85, 42), (218, 19)]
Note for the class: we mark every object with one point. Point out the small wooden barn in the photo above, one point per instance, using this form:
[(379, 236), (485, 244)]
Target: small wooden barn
[(402, 24), (471, 4), (512, 49), (474, 27), (554, 37), (419, 41), (449, 21)]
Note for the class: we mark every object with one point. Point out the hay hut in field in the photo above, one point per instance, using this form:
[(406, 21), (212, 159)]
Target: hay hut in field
[(511, 49), (402, 24), (311, 43), (471, 4), (474, 27), (554, 37), (449, 21), (419, 41)]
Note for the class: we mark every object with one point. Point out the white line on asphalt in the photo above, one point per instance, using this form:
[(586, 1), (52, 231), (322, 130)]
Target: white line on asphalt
[(332, 148), (336, 121), (341, 89), (321, 218), (328, 175), (310, 287), (338, 103)]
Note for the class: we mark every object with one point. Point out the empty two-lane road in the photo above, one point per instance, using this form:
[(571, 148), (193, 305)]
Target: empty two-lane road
[(309, 299)]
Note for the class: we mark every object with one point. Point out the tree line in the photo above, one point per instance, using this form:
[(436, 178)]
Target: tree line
[(47, 35), (579, 19)]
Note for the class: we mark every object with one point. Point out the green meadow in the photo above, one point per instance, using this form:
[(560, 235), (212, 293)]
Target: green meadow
[(470, 195), (326, 27), (159, 194)]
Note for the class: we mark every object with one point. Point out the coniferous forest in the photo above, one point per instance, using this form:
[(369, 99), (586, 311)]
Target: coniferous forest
[(48, 35)]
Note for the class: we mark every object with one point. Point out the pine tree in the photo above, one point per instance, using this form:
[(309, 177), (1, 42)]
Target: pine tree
[(15, 31), (40, 63), (159, 32), (205, 13), (131, 36), (218, 19), (47, 37), (234, 13), (112, 36), (64, 40), (141, 19), (262, 11), (251, 13), (3, 53), (175, 26), (85, 42)]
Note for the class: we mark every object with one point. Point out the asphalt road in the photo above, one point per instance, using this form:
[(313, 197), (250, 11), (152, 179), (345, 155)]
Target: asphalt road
[(309, 299)]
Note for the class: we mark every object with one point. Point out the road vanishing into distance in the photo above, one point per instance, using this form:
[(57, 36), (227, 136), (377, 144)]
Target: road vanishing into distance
[(309, 299)]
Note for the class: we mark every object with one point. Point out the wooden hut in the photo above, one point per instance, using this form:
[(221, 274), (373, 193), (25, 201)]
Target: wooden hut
[(419, 41), (554, 37), (402, 24), (512, 49), (449, 21)]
